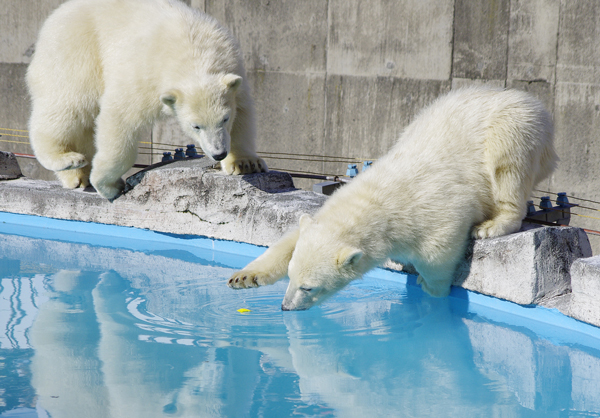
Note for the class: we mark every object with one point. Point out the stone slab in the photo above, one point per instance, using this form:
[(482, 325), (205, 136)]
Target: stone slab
[(180, 198), (526, 267), (585, 281)]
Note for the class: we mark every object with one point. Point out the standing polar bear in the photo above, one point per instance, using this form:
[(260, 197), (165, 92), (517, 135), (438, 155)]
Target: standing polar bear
[(105, 69), (464, 167)]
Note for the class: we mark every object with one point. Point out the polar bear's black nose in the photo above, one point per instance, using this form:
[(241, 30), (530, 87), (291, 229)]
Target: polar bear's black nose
[(220, 156)]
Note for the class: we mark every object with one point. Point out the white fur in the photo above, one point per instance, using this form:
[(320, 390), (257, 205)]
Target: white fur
[(465, 167), (104, 70)]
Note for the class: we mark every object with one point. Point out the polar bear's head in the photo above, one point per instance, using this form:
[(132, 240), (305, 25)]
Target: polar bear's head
[(206, 111), (322, 264)]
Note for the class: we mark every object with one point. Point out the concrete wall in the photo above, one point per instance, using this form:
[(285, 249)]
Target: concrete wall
[(341, 78)]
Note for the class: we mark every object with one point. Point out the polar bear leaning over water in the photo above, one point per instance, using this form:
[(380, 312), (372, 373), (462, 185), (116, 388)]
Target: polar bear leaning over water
[(104, 70), (463, 168)]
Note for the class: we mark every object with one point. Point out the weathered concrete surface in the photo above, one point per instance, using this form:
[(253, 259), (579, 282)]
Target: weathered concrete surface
[(9, 167), (20, 22), (277, 36), (411, 40), (532, 40), (585, 281), (181, 198), (578, 58), (480, 49), (526, 267), (296, 105), (352, 130), (577, 120)]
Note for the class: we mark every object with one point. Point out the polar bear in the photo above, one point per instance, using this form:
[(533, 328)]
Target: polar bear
[(463, 168), (105, 69)]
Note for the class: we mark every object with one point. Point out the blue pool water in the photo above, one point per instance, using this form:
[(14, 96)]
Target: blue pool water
[(109, 322)]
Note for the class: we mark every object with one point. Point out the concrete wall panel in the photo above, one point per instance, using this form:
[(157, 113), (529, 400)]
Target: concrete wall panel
[(14, 114), (282, 35), (20, 22), (578, 52), (532, 40), (290, 110), (365, 116), (577, 119), (540, 89), (405, 38), (480, 39)]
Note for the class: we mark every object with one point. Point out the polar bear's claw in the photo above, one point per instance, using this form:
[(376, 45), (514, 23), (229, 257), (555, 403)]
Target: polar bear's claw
[(244, 165), (243, 281)]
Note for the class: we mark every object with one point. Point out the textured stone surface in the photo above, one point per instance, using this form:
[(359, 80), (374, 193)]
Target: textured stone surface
[(526, 267), (585, 281), (181, 198), (9, 167)]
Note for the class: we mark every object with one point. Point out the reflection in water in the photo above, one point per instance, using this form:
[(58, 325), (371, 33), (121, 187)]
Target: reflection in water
[(97, 332)]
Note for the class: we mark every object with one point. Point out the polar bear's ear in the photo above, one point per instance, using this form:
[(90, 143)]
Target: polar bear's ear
[(305, 221), (170, 98), (232, 81), (348, 257)]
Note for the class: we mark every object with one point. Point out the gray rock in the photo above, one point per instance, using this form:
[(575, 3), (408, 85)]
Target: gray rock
[(9, 166), (526, 267), (585, 281), (183, 197)]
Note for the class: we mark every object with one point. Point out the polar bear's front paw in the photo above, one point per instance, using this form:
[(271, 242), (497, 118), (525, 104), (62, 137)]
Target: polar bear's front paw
[(68, 161), (495, 228), (243, 165), (72, 179), (247, 279), (109, 191)]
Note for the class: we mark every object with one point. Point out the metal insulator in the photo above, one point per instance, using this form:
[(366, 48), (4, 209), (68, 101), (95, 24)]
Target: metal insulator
[(530, 207), (562, 199), (545, 203), (191, 151), (352, 171), (179, 155)]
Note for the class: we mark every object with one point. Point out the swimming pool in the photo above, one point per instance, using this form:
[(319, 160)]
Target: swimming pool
[(104, 321)]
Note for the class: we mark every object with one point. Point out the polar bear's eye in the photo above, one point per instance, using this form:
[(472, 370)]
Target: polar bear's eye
[(226, 119), (306, 289), (197, 127)]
